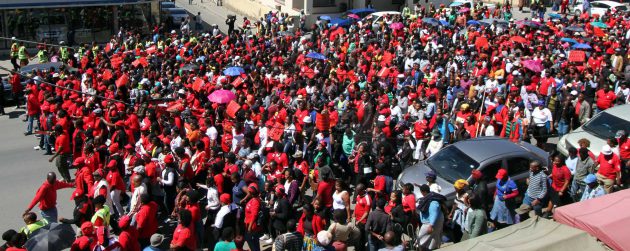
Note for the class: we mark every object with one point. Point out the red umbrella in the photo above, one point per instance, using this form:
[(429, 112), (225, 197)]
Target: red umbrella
[(221, 96), (519, 39), (533, 65)]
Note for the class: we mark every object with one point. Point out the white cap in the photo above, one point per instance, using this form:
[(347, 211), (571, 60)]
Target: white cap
[(606, 150), (181, 91), (55, 75), (307, 119), (574, 93), (381, 118)]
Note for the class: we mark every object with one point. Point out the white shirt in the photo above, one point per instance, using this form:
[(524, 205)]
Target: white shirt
[(213, 198), (212, 133), (135, 198), (218, 221), (176, 142), (571, 164), (541, 116)]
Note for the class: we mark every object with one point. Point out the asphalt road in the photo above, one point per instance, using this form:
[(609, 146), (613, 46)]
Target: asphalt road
[(22, 171)]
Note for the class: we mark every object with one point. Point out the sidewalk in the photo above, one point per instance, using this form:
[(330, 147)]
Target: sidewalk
[(210, 13)]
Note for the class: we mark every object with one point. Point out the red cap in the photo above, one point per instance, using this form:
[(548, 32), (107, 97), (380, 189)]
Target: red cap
[(169, 159), (113, 148), (111, 164), (279, 188), (79, 161), (128, 146), (225, 198), (124, 222), (87, 228), (476, 174), (501, 173)]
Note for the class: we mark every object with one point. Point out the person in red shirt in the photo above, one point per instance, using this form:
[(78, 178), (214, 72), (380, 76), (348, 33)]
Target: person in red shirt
[(605, 99), (252, 229), (183, 237), (362, 210), (32, 112), (379, 183), (325, 187), (117, 185), (128, 238), (192, 205), (624, 155), (560, 180), (146, 222), (609, 171), (46, 196), (87, 239), (63, 151)]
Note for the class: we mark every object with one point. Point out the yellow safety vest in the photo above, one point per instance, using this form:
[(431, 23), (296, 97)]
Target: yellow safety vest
[(42, 55), (102, 213), (30, 228), (22, 53), (14, 50), (95, 49), (64, 53)]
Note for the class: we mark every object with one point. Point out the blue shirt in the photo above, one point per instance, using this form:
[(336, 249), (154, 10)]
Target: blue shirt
[(590, 193), (431, 216), (149, 248), (506, 187)]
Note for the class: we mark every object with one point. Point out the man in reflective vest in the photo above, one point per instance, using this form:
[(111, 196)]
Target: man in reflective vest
[(102, 215), (63, 52), (42, 55), (32, 224), (14, 54), (23, 54)]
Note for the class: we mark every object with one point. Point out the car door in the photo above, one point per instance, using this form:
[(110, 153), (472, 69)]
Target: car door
[(489, 170), (518, 170)]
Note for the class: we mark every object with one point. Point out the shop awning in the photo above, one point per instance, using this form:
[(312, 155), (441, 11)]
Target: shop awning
[(34, 4)]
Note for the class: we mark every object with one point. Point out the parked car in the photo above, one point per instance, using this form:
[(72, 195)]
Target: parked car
[(376, 17), (345, 21), (178, 14), (7, 93), (487, 154), (599, 7), (602, 126), (167, 5)]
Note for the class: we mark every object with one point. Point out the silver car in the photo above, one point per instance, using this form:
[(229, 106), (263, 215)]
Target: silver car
[(597, 130), (487, 154)]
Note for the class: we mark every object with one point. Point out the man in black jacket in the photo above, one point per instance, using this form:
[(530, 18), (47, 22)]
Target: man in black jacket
[(83, 210), (378, 223), (281, 213)]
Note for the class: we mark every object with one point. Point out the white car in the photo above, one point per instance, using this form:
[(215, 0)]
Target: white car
[(599, 7), (597, 130), (178, 15), (377, 17)]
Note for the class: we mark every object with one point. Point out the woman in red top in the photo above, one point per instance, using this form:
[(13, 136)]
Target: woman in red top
[(560, 180), (253, 230), (183, 237), (310, 224)]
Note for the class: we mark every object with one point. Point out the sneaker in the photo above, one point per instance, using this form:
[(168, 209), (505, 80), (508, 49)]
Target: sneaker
[(265, 237), (37, 148)]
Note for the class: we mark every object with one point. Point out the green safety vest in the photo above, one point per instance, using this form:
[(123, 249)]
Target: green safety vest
[(30, 228), (42, 55), (102, 213), (81, 52), (64, 53), (22, 53), (14, 50)]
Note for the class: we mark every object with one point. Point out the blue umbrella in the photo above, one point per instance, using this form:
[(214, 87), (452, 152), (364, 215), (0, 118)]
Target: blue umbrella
[(233, 71), (444, 23), (431, 21), (473, 22), (554, 16), (575, 29), (581, 46), (324, 18), (315, 55), (455, 4), (569, 40)]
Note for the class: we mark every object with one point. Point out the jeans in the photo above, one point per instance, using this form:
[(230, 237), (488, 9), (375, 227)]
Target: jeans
[(374, 244), (44, 143), (29, 123), (563, 128), (50, 214), (537, 208), (253, 240), (577, 190), (115, 195)]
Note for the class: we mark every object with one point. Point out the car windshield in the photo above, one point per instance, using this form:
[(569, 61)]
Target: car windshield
[(451, 164), (177, 11), (606, 125)]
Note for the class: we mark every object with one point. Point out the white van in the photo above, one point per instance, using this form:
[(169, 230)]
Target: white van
[(376, 17)]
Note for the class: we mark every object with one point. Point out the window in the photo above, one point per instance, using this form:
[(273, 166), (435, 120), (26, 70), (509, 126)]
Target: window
[(450, 168), (490, 171), (517, 165)]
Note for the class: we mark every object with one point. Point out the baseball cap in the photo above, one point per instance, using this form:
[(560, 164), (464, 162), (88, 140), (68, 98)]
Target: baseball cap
[(430, 174), (591, 178), (501, 173)]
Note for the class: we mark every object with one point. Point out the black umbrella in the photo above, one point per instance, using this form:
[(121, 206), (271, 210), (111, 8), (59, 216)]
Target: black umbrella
[(54, 236)]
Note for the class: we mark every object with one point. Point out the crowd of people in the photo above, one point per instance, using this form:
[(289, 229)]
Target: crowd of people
[(293, 139)]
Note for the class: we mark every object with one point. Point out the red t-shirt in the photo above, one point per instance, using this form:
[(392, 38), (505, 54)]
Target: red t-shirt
[(183, 237), (560, 175), (325, 191), (609, 168), (409, 202), (115, 180), (605, 99), (624, 150), (379, 184), (63, 142), (251, 213), (363, 205)]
